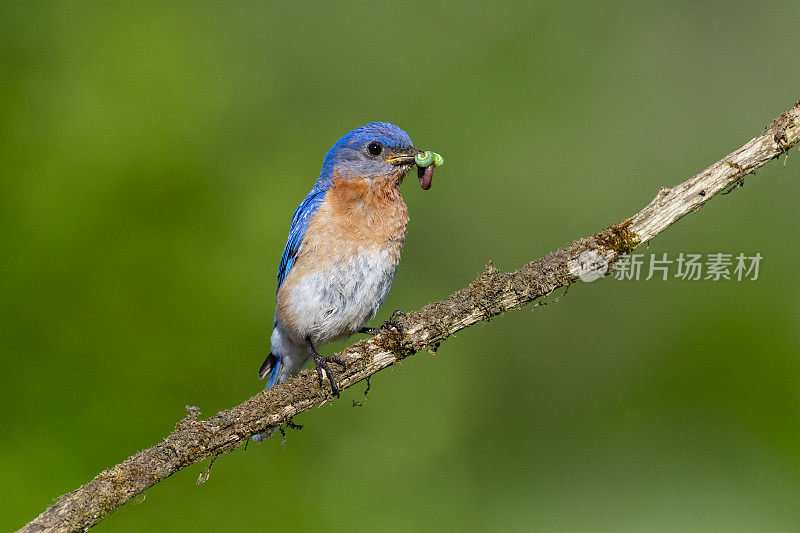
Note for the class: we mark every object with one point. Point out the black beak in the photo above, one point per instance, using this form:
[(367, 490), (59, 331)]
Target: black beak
[(405, 158)]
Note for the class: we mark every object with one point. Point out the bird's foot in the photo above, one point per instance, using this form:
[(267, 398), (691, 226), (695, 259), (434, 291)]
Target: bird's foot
[(321, 363), (392, 323)]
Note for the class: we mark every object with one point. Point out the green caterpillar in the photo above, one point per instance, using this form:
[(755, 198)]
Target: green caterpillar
[(426, 158)]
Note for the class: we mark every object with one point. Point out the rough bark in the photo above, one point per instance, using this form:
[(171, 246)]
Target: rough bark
[(491, 294)]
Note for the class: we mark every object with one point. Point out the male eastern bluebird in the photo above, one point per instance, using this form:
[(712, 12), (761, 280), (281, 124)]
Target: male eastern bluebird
[(343, 249)]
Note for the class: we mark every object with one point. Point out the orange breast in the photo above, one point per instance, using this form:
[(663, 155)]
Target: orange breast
[(365, 212), (357, 216)]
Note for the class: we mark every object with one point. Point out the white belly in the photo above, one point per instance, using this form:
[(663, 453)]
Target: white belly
[(333, 303)]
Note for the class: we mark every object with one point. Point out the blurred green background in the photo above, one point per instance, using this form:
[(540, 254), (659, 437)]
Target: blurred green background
[(152, 157)]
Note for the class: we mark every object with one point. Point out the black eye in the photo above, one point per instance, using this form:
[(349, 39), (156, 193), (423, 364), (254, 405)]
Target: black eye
[(374, 148)]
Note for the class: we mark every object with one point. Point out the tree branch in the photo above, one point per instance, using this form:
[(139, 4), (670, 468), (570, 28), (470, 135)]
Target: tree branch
[(493, 293)]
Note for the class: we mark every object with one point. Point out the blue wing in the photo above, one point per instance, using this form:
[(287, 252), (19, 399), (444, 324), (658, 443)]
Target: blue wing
[(300, 220)]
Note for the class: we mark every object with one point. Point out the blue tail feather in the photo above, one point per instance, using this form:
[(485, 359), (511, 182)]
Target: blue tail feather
[(271, 365), (274, 374)]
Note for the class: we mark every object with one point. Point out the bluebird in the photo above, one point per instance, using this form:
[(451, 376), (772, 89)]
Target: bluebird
[(343, 250)]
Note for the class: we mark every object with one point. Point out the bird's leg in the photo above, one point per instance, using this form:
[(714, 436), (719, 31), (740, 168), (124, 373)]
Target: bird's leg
[(392, 323), (322, 364)]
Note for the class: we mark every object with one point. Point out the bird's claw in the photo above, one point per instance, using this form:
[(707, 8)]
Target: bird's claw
[(322, 364), (390, 324), (397, 326), (393, 323)]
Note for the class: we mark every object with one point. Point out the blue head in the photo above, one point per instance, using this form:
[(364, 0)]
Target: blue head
[(373, 150)]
